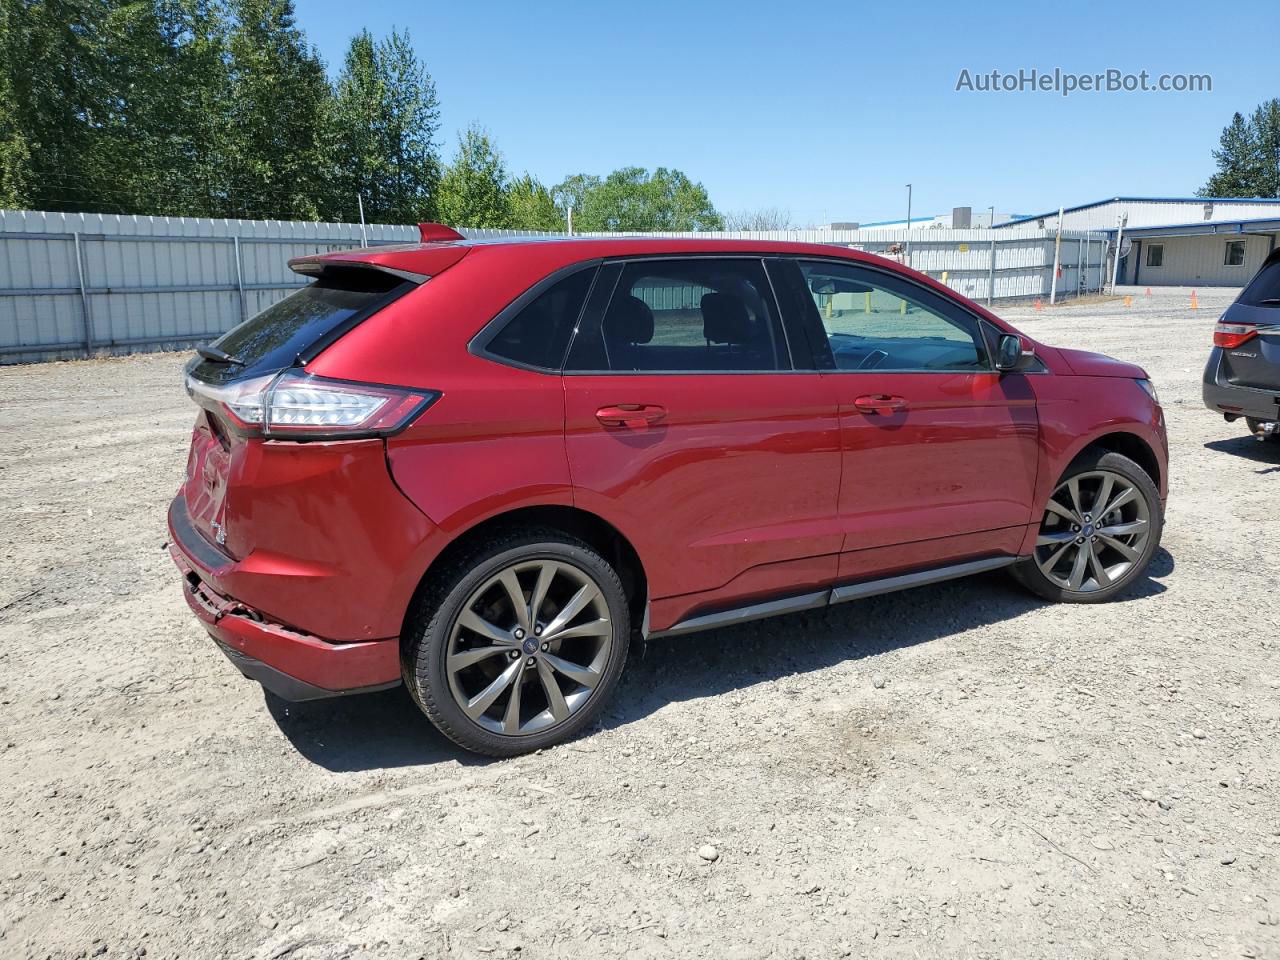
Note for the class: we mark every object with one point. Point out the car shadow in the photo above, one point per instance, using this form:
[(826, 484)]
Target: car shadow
[(1250, 449), (706, 664), (386, 730), (373, 731)]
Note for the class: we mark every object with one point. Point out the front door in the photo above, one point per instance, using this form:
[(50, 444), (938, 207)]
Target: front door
[(687, 426), (940, 450)]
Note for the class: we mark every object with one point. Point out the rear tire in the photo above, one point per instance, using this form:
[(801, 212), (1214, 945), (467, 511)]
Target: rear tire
[(1099, 531), (518, 643)]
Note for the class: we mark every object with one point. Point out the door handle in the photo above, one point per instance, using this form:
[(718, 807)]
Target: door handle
[(880, 403), (631, 415)]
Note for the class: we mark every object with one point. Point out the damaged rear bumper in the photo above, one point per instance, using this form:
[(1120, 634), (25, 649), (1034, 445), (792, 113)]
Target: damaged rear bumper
[(291, 664)]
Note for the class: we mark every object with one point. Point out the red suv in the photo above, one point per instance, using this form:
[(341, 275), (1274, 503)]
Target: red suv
[(478, 467)]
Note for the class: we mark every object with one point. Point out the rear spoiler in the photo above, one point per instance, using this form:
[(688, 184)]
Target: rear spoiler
[(314, 267)]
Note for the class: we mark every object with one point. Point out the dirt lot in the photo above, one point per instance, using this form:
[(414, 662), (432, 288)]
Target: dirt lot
[(960, 771)]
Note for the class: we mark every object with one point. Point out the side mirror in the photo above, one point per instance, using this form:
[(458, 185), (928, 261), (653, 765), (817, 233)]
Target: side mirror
[(1013, 353)]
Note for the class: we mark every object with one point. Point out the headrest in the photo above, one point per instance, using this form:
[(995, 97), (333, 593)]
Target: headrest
[(629, 321), (725, 319)]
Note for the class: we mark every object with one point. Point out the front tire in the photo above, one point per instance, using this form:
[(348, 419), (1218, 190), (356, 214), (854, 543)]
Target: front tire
[(1099, 531), (519, 643)]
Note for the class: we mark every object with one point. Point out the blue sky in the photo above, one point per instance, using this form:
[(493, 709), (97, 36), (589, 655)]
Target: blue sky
[(828, 109)]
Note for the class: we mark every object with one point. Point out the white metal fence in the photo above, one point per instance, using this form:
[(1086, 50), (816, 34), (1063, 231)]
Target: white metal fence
[(82, 284)]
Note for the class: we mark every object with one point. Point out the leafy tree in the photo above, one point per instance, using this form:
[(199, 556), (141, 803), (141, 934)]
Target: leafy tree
[(473, 190), (50, 88), (632, 199), (571, 192), (532, 207), (384, 124), (1248, 156), (278, 102)]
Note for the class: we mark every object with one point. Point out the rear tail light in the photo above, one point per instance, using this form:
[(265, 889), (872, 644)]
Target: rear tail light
[(296, 406), (1233, 334)]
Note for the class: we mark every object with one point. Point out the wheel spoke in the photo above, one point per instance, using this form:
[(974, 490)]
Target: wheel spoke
[(1095, 563), (555, 699), (511, 718), (1053, 506), (483, 700), (1073, 488), (577, 603), (1048, 563), (1076, 580), (468, 657), (583, 675), (1123, 529), (592, 628), (1055, 536), (478, 624), (1121, 498), (1120, 547), (1100, 498), (546, 573), (516, 594)]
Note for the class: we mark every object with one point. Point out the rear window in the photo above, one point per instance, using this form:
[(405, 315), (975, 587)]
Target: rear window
[(1264, 289), (273, 339)]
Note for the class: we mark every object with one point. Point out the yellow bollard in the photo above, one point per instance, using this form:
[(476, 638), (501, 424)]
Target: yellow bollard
[(866, 307)]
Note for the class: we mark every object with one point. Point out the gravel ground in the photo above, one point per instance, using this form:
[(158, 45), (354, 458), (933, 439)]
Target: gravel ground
[(958, 771)]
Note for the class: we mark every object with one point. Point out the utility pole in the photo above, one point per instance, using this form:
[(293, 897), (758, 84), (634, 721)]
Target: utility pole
[(908, 224), (569, 217), (1115, 263), (364, 237), (1057, 262)]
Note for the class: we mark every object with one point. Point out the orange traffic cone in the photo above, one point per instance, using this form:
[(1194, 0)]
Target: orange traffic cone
[(1148, 291), (1195, 304), (1128, 301), (1039, 305)]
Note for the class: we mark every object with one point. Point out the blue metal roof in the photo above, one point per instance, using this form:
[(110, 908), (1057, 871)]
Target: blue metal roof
[(1098, 203), (881, 223), (1202, 228)]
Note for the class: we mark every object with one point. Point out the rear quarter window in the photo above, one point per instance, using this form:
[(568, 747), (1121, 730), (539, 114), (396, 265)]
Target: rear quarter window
[(538, 334), (1264, 289)]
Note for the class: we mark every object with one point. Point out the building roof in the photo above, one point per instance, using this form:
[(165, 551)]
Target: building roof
[(1099, 203)]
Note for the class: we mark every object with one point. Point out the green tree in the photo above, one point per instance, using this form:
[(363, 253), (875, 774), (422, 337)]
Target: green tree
[(384, 124), (571, 192), (278, 106), (50, 88), (531, 206), (632, 199), (473, 190), (1248, 155)]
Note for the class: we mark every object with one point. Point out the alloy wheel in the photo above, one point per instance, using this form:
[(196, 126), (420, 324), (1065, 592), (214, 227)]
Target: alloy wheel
[(1095, 529), (529, 647)]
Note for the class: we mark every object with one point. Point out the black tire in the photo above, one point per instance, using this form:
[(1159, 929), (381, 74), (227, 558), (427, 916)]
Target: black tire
[(431, 629), (1091, 463), (1255, 428)]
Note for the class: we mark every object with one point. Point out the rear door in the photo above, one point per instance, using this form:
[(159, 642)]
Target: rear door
[(687, 426), (940, 450)]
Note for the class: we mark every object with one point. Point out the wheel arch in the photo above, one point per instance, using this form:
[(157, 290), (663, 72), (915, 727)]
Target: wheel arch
[(1131, 445), (602, 536)]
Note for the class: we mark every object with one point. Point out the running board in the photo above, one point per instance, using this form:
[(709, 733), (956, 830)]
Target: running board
[(823, 598)]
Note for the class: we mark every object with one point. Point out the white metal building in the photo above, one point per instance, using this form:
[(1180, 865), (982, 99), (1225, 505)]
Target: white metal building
[(1177, 241)]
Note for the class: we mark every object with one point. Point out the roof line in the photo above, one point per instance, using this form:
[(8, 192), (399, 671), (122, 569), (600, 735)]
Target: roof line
[(1099, 203)]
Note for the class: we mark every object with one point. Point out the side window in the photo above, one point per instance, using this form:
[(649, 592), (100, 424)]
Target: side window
[(539, 334), (672, 316), (874, 321)]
